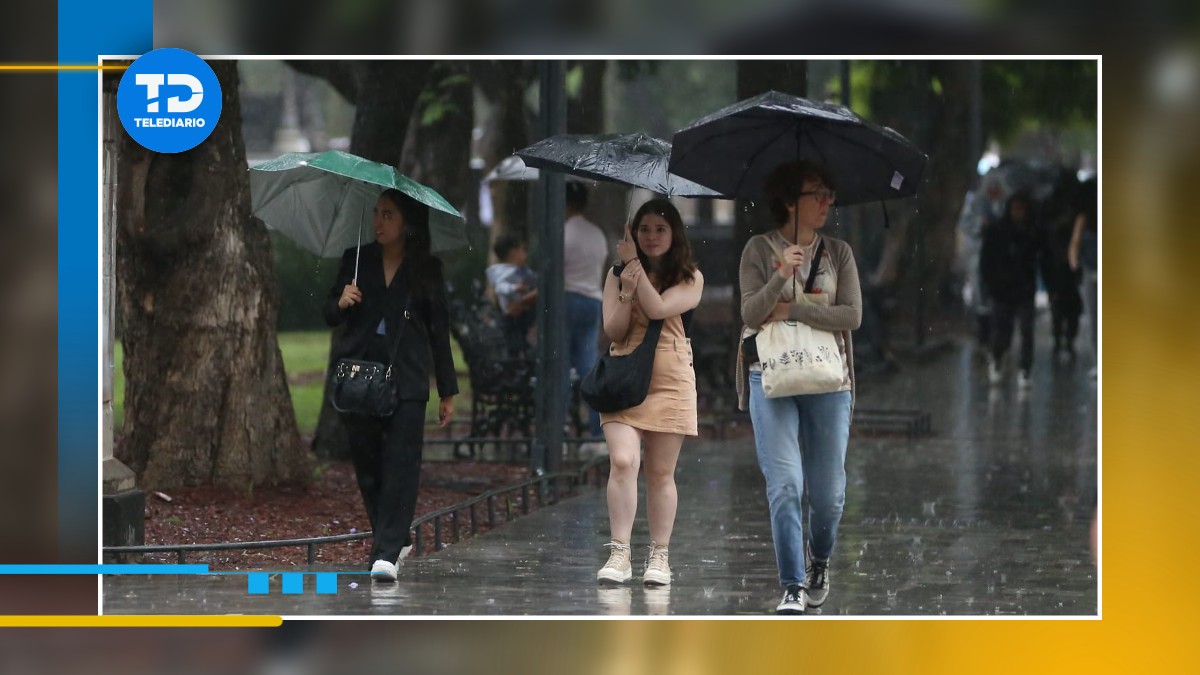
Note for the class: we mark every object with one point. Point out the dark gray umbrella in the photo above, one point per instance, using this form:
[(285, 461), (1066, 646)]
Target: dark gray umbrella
[(733, 149), (633, 159), (512, 168)]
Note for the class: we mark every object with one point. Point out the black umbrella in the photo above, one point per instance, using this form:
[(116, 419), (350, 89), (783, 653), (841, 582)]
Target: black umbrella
[(633, 159), (733, 149)]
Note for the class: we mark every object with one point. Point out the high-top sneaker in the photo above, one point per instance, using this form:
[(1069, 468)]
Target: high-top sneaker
[(817, 582), (618, 569), (658, 572)]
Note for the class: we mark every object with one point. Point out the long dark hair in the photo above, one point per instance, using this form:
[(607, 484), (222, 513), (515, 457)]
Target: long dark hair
[(420, 269), (677, 264)]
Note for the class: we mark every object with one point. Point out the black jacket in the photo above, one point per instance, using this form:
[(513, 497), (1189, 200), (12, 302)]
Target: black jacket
[(1009, 260), (424, 338)]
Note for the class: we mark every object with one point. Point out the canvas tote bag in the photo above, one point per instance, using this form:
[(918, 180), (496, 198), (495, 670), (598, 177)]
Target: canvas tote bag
[(796, 358)]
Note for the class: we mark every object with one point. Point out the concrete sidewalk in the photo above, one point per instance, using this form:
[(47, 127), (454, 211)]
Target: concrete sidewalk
[(989, 515)]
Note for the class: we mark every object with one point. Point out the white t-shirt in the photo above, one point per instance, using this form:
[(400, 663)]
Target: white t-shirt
[(585, 253)]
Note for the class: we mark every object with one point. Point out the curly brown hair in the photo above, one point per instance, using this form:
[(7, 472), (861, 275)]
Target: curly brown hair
[(677, 264), (783, 185)]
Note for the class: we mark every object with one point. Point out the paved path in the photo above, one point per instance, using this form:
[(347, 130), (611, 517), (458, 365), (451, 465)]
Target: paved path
[(989, 515)]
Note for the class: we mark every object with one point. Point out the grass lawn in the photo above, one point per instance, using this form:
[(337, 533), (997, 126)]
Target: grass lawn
[(305, 354)]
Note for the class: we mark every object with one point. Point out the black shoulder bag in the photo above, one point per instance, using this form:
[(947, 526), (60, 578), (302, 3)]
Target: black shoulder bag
[(366, 387), (621, 382)]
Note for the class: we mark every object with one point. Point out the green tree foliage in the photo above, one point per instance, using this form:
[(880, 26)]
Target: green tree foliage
[(1017, 94)]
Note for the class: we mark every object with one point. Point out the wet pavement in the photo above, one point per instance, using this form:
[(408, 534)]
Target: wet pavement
[(989, 515)]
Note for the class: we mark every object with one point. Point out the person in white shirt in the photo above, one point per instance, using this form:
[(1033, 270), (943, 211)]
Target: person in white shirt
[(515, 286), (585, 256)]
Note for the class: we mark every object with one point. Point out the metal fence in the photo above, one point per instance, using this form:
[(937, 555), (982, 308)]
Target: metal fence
[(509, 501)]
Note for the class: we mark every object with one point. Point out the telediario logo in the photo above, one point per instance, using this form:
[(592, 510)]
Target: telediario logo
[(169, 100)]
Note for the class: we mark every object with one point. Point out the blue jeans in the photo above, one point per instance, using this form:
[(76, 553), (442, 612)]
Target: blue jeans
[(583, 328), (801, 440)]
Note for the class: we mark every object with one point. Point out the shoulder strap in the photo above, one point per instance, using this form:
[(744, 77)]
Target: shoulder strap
[(653, 330), (816, 263)]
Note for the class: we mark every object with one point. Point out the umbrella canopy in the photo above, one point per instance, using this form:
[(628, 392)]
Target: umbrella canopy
[(633, 159), (514, 168), (733, 149), (325, 201)]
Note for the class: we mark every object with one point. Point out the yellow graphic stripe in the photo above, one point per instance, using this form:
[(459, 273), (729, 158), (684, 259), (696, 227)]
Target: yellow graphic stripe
[(37, 67), (165, 621)]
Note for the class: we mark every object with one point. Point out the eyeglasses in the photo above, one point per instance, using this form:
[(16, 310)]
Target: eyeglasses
[(823, 196)]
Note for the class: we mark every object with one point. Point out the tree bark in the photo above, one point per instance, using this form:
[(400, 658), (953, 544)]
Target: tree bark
[(384, 94), (585, 111), (949, 169), (938, 123), (206, 398), (437, 150), (509, 128)]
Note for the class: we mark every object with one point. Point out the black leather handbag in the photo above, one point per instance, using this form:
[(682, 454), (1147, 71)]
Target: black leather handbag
[(362, 388), (365, 387), (620, 382)]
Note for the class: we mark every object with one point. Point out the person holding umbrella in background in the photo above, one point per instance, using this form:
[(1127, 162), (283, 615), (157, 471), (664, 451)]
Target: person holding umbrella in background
[(585, 251), (1013, 249), (391, 296)]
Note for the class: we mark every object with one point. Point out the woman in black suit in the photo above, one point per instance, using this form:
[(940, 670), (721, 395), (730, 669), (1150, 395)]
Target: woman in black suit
[(395, 312)]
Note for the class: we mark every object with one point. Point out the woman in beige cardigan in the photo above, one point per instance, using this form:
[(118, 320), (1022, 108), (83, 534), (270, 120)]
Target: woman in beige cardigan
[(801, 440)]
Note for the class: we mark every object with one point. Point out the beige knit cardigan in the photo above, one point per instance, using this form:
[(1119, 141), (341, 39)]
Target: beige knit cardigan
[(761, 289)]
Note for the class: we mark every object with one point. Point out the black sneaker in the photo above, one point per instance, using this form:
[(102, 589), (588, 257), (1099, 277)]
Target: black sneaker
[(793, 600), (817, 582)]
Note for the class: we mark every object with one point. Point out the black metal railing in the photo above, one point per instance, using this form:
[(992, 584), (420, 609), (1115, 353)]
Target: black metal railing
[(589, 474), (911, 424)]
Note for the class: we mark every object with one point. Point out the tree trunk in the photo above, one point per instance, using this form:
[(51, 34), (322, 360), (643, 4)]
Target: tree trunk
[(206, 399), (387, 96), (507, 129), (906, 100), (950, 169), (437, 151), (438, 154), (585, 110)]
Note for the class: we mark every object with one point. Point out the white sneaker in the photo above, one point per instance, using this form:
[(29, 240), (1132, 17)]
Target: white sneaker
[(794, 600), (618, 569), (658, 572), (404, 553), (383, 570), (1023, 379), (995, 374)]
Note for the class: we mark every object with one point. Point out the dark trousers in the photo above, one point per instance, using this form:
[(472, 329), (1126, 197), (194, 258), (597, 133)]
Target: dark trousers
[(387, 462), (1065, 307), (1004, 315)]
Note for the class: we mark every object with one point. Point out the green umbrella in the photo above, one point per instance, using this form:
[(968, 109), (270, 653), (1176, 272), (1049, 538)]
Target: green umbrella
[(325, 201)]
